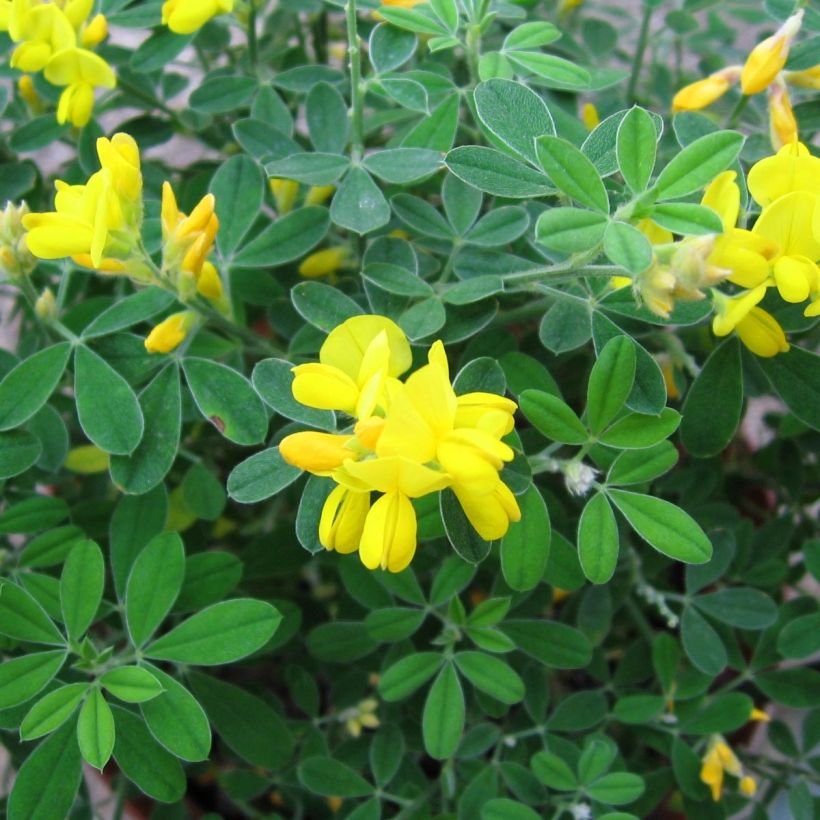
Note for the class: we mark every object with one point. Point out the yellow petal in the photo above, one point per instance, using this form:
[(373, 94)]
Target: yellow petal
[(74, 65), (342, 519), (767, 58), (397, 474), (318, 453), (489, 513), (722, 195), (86, 459), (793, 168), (704, 92), (788, 223), (655, 234), (762, 334), (389, 534), (344, 348), (324, 387), (324, 262), (731, 310), (795, 277)]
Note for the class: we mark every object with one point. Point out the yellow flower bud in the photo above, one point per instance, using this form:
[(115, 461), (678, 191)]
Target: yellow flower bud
[(46, 305), (589, 115), (704, 92), (748, 786), (25, 85), (808, 78), (170, 333), (86, 460), (767, 58), (95, 32), (319, 194), (209, 284), (782, 122), (759, 714), (325, 262), (186, 16), (284, 193), (318, 453)]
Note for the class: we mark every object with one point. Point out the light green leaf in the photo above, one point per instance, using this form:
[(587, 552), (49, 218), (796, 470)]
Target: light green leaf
[(238, 187), (491, 675), (553, 417), (572, 172), (52, 711), (95, 730), (626, 246), (359, 205), (23, 619), (131, 684), (22, 678), (496, 173)]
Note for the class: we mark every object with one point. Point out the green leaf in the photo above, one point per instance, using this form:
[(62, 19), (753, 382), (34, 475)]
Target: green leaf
[(313, 169), (176, 719), (340, 641), (227, 399), (725, 713), (403, 165), (491, 675), (419, 21), (514, 114), (617, 788), (23, 619), (799, 638), (502, 808), (553, 772), (19, 450), (635, 148), (549, 642), (437, 130), (610, 382), (601, 144), (499, 227), (238, 187), (626, 246), (635, 710), (129, 311), (664, 526), (552, 71), (289, 237), (598, 539), (209, 577), (261, 476), (396, 279), (742, 607), (153, 585), (453, 576), (131, 684), (390, 47), (81, 587), (158, 51), (701, 643), (531, 35), (222, 633), (52, 711), (638, 431), (95, 730), (796, 378), (638, 466), (108, 410), (687, 218), (218, 95), (443, 717), (48, 781), (797, 687), (525, 548), (570, 230), (265, 141), (407, 675), (26, 388), (161, 406), (329, 777), (323, 306), (22, 678), (496, 173), (32, 514), (460, 533), (142, 760), (244, 722), (359, 205), (203, 492), (572, 172), (698, 164), (553, 417), (393, 623), (327, 120), (719, 384), (482, 375)]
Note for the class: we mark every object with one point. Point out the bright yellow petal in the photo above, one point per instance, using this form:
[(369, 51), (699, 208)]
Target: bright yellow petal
[(795, 277), (389, 534), (732, 310), (324, 387), (397, 474), (722, 195), (788, 223), (762, 334), (345, 347), (318, 453), (793, 168), (342, 520)]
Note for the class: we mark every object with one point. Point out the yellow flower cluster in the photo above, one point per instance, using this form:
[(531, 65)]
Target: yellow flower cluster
[(409, 439), (719, 761), (99, 226), (762, 71), (781, 250), (186, 16), (56, 37)]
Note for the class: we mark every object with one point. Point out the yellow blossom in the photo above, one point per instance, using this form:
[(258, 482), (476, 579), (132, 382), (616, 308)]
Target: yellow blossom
[(284, 193), (95, 32), (25, 85), (342, 519), (186, 16), (791, 169), (16, 260), (42, 30), (589, 115), (319, 194), (704, 92), (318, 453), (808, 78), (757, 329), (81, 71), (782, 122), (171, 332), (361, 716), (759, 715), (767, 58), (325, 262)]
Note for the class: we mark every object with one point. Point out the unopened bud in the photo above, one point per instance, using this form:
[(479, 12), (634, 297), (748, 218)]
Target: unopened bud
[(46, 306), (95, 32)]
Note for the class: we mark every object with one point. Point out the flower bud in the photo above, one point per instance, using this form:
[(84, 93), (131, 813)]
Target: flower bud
[(16, 260), (46, 306), (95, 32), (589, 115), (284, 193), (704, 92), (767, 58), (170, 332), (319, 194), (782, 122), (325, 262), (25, 86)]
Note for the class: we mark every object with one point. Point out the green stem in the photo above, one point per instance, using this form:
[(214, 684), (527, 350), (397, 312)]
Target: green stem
[(640, 51), (354, 50), (560, 273), (734, 117)]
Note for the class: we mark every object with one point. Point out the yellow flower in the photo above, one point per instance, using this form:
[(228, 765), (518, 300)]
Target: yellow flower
[(170, 332), (325, 262), (704, 92), (589, 115), (95, 32), (757, 329), (389, 534), (209, 284), (319, 194), (42, 30), (788, 224), (284, 193), (186, 16), (760, 715), (120, 155), (25, 85), (318, 453), (808, 78), (362, 716), (81, 71), (342, 520), (782, 122), (767, 58), (791, 169), (356, 363), (719, 761)]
